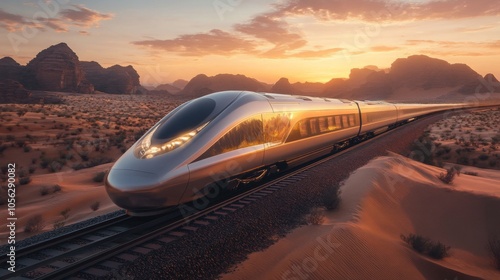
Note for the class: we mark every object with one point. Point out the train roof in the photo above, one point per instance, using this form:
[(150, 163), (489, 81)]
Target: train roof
[(278, 97)]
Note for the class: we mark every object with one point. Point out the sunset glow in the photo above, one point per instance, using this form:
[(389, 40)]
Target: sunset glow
[(311, 40)]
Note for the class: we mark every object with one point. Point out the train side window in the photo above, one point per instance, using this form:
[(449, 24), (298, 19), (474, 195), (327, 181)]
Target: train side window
[(323, 124), (345, 122), (352, 120), (304, 128), (246, 134), (331, 124), (338, 122), (276, 127), (314, 126)]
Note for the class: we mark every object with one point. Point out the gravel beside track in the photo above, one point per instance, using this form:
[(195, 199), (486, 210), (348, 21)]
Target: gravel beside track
[(214, 249), (60, 231)]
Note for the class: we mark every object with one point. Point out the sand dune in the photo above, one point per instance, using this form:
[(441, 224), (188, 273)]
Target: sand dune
[(388, 197), (78, 193)]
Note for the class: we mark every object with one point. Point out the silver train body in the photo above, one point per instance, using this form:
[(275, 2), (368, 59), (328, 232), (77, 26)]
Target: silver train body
[(233, 137)]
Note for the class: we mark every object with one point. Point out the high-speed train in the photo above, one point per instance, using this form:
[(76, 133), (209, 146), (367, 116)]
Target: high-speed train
[(232, 137)]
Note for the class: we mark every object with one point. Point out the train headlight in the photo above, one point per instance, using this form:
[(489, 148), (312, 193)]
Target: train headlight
[(145, 149)]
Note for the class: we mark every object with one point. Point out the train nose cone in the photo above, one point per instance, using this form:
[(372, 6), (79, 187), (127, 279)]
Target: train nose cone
[(134, 190)]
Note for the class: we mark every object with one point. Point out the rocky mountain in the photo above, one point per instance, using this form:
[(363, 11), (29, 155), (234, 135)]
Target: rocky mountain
[(115, 79), (283, 86), (415, 73), (58, 68), (180, 83), (10, 69), (168, 88), (202, 84)]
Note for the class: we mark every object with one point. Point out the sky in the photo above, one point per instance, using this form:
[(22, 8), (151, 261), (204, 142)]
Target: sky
[(303, 40)]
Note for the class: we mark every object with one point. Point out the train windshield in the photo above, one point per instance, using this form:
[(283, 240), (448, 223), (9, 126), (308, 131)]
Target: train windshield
[(182, 125), (188, 118)]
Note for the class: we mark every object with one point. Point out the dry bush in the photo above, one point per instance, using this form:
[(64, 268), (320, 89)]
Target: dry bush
[(424, 245), (65, 213), (24, 180), (59, 224), (99, 177), (494, 248), (44, 191), (35, 224), (450, 175), (95, 206), (315, 217), (331, 198)]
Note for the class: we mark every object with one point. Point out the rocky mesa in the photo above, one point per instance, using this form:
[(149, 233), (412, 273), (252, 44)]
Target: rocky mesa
[(58, 68)]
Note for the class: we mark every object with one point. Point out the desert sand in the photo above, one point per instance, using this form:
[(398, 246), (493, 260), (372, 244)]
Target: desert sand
[(67, 145), (390, 196), (79, 193)]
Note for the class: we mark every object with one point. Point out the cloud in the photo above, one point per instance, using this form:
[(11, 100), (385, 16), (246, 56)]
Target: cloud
[(272, 30), (75, 16), (263, 36), (213, 42), (476, 29), (13, 22), (376, 10), (81, 16), (275, 32)]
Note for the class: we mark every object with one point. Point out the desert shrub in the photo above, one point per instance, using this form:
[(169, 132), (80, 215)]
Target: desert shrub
[(95, 206), (55, 166), (450, 175), (44, 191), (471, 173), (44, 162), (59, 224), (331, 198), (32, 169), (463, 160), (56, 188), (2, 148), (24, 180), (27, 149), (99, 177), (65, 213), (84, 156), (93, 162), (424, 245), (494, 248), (315, 217), (34, 224), (483, 157)]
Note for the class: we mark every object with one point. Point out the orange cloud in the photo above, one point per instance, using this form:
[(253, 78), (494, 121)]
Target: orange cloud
[(81, 16), (75, 16), (214, 42), (376, 10), (13, 22), (263, 29)]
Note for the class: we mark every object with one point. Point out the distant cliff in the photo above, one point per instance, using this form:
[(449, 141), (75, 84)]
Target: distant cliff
[(115, 79), (58, 68), (202, 84), (415, 73)]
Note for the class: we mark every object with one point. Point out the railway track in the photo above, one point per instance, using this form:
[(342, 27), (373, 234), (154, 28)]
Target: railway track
[(99, 250)]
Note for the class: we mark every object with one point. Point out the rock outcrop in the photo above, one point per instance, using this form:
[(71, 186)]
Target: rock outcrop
[(115, 79), (10, 69), (283, 86), (202, 84), (418, 72), (56, 68)]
